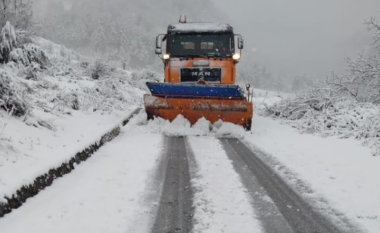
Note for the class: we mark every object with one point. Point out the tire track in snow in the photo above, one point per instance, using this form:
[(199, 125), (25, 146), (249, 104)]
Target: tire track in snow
[(221, 202), (268, 213), (175, 209), (298, 213)]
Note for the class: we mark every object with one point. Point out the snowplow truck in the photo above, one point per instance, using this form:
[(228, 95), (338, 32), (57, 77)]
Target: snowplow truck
[(200, 74)]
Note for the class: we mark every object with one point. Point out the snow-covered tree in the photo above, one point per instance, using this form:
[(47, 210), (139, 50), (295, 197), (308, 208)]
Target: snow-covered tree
[(362, 81), (8, 41), (18, 12)]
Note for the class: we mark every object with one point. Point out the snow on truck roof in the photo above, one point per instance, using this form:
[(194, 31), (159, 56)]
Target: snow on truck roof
[(200, 27)]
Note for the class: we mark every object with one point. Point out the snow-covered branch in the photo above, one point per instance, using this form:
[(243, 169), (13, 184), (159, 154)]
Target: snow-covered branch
[(373, 25)]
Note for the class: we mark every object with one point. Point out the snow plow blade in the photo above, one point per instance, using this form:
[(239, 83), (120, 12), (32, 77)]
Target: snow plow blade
[(194, 101)]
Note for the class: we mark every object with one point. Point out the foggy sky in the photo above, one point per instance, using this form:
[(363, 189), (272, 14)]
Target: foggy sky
[(289, 37), (302, 36)]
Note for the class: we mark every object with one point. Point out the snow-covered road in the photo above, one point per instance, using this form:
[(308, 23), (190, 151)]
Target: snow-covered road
[(119, 189), (144, 182)]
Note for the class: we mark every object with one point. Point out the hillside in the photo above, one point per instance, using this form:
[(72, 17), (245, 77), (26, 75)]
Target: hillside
[(52, 110)]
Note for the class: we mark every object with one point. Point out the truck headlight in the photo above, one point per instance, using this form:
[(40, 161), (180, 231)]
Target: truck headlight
[(166, 56), (236, 56)]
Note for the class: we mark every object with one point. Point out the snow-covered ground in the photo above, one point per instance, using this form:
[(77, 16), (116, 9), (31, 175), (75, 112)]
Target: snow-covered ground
[(107, 193)]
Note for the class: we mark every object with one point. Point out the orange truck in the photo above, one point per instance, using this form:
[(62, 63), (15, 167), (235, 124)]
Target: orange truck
[(200, 74)]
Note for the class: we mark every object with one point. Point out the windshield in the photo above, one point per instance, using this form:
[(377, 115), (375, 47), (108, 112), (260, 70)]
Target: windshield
[(200, 45)]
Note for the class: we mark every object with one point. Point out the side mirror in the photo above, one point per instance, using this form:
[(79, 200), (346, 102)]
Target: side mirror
[(247, 86), (240, 42), (158, 42), (158, 51)]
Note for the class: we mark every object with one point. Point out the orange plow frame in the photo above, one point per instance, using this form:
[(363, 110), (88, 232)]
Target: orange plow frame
[(234, 111)]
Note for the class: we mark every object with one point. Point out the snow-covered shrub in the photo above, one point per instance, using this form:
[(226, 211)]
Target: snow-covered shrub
[(296, 108), (66, 100), (321, 112), (12, 93), (313, 113), (370, 131), (29, 53), (84, 64), (99, 68), (19, 51)]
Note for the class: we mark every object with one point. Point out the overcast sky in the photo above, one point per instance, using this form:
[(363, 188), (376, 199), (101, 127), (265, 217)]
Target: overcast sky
[(302, 36)]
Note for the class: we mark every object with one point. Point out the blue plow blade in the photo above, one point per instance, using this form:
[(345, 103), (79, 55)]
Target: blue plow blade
[(195, 91)]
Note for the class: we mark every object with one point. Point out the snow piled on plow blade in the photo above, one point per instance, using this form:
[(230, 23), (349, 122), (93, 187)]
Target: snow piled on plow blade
[(234, 111), (181, 127)]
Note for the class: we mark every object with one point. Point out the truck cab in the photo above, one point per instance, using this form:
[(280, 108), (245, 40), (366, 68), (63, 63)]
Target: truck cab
[(200, 52)]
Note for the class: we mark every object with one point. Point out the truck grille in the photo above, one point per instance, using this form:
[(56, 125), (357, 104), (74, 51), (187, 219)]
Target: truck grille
[(207, 74)]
